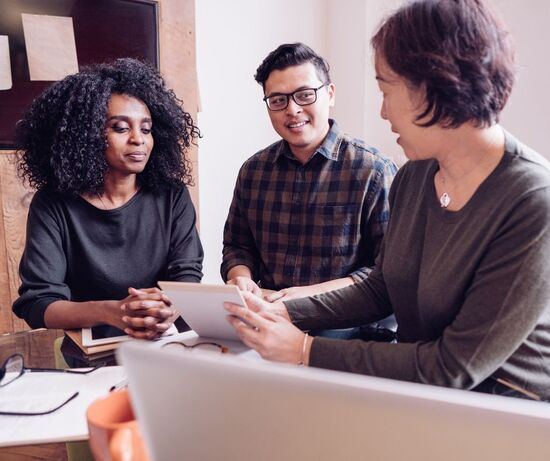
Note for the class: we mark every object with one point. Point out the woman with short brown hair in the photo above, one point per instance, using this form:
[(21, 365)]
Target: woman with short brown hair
[(464, 263)]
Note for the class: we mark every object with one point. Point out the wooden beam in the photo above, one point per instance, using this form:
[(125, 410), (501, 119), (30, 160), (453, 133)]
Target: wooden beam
[(14, 202), (178, 65)]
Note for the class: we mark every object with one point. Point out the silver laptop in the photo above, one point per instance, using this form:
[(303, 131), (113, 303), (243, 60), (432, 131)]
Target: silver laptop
[(206, 406)]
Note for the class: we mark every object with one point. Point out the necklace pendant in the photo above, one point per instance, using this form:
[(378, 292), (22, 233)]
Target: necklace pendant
[(444, 200)]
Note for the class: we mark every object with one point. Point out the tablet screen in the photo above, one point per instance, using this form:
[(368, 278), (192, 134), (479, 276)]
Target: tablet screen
[(106, 331)]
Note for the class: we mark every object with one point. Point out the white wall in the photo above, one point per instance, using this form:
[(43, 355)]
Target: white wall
[(527, 114), (346, 46), (375, 130), (234, 36)]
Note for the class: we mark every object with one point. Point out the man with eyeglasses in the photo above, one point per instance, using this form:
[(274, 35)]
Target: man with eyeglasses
[(308, 212)]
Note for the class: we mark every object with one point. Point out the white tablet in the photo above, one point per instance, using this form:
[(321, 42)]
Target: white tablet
[(201, 306), (107, 334), (102, 334)]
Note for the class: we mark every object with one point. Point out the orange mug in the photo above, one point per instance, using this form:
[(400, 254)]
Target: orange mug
[(113, 428)]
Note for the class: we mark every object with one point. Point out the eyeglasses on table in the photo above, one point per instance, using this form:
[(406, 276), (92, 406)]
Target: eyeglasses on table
[(201, 345), (14, 367)]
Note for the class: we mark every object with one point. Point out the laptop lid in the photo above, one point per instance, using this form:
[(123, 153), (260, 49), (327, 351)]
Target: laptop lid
[(205, 406)]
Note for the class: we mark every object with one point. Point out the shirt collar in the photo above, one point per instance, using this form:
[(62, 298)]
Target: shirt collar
[(328, 148)]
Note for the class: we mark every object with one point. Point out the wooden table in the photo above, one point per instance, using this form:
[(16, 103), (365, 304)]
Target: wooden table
[(36, 346)]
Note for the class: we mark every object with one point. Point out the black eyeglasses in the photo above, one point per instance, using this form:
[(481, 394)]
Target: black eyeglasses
[(203, 346), (304, 97), (13, 368)]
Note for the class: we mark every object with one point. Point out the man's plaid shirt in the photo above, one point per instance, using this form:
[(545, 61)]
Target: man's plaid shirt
[(296, 225)]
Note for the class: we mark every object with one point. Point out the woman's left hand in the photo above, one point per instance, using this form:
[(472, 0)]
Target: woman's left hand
[(147, 312), (273, 336)]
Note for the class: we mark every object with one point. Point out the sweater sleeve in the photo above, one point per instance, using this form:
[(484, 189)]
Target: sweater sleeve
[(43, 264), (186, 253), (363, 302), (505, 309)]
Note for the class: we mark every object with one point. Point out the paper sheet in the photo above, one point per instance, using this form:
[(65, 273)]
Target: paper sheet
[(5, 67), (50, 44), (44, 391)]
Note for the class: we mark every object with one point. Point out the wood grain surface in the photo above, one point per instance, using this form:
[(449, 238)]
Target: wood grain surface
[(36, 346), (14, 203)]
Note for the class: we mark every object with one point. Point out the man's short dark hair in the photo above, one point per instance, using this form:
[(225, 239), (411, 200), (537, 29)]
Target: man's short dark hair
[(291, 54), (458, 51)]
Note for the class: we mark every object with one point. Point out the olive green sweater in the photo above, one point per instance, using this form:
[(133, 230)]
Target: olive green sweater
[(470, 289)]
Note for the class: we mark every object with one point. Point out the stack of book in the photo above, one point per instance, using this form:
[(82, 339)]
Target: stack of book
[(97, 344), (96, 351)]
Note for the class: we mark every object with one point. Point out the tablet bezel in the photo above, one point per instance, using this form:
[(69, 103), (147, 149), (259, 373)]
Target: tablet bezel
[(88, 341)]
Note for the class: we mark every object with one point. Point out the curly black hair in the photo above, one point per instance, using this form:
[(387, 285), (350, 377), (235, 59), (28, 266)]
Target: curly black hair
[(61, 139)]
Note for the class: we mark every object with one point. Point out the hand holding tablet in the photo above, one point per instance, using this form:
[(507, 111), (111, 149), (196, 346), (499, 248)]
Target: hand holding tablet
[(201, 306)]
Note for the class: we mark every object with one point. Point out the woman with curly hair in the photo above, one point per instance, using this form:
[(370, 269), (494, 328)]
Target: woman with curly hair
[(105, 148)]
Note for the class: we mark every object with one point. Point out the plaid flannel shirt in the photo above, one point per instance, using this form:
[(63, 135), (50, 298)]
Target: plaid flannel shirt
[(295, 225)]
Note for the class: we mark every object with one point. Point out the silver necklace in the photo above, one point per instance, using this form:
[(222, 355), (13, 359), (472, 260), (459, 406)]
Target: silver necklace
[(102, 202), (445, 200), (105, 206)]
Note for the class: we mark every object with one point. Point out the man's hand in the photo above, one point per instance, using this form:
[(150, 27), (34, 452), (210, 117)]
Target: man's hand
[(245, 284), (286, 294)]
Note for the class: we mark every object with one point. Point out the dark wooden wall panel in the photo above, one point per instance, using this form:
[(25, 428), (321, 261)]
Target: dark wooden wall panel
[(103, 30)]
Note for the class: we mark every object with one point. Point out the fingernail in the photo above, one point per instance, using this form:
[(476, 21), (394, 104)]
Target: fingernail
[(123, 307), (125, 318)]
